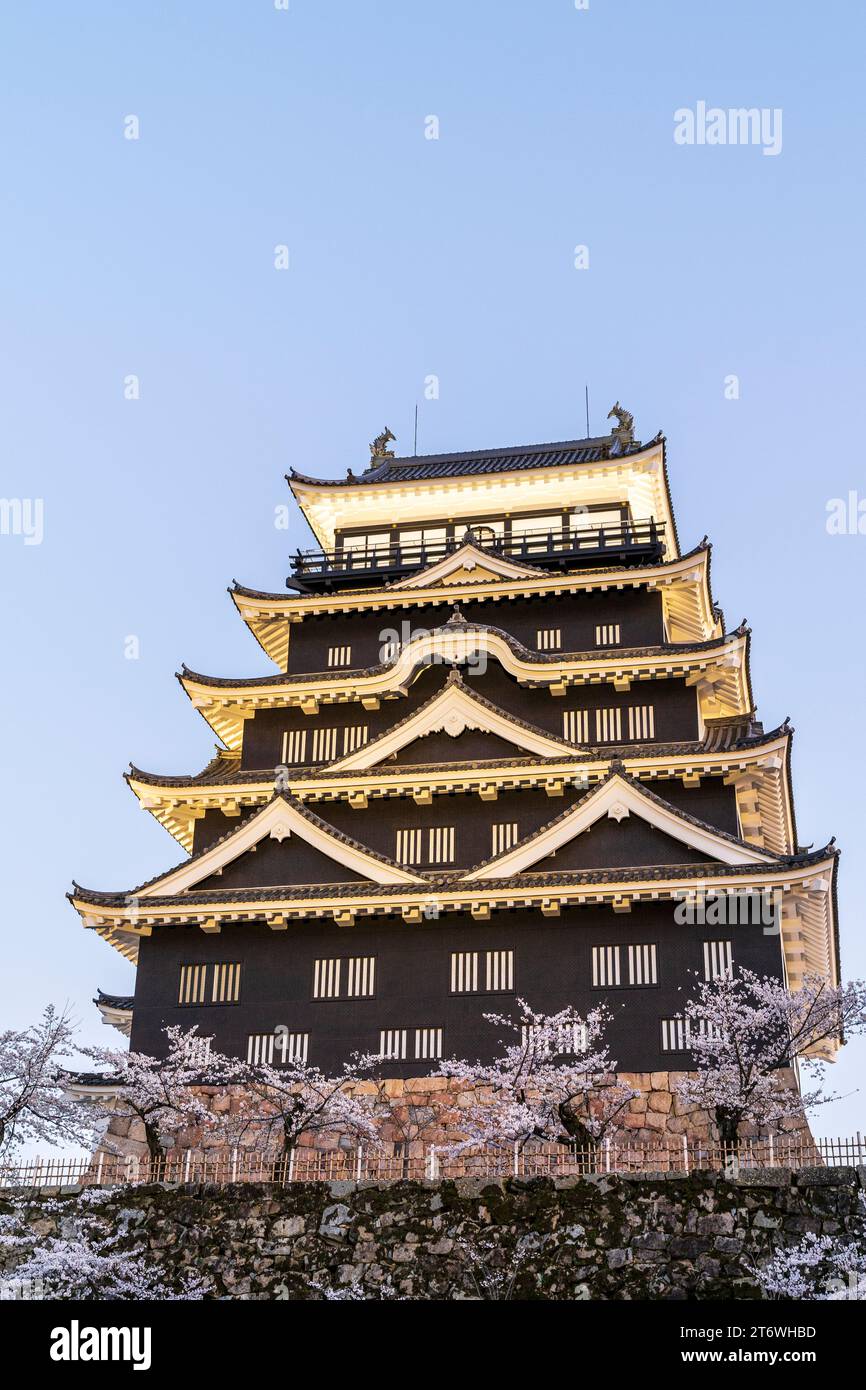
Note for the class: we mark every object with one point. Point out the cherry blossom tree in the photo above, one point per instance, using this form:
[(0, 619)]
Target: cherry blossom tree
[(556, 1081), (86, 1255), (33, 1106), (163, 1094), (747, 1031), (821, 1268), (280, 1104)]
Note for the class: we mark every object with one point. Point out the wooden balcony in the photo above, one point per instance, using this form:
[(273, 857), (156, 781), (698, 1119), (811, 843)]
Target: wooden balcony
[(627, 543)]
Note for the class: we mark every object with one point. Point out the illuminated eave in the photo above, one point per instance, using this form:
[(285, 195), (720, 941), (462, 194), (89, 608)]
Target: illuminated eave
[(808, 904), (683, 584), (718, 671), (639, 478), (765, 767)]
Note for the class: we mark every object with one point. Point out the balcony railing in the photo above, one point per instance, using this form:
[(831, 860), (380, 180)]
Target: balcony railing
[(626, 543)]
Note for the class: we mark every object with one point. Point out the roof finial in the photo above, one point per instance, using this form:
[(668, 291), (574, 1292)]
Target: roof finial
[(379, 448), (623, 435)]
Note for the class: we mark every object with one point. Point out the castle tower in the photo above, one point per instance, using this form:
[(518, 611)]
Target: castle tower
[(508, 749)]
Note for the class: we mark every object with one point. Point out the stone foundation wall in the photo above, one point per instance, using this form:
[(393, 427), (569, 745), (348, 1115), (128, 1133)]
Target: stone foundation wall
[(426, 1110), (659, 1237)]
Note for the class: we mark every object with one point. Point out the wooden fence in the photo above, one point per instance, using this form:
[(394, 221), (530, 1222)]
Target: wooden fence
[(375, 1165)]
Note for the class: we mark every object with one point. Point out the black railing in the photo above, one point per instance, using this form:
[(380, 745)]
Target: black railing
[(628, 542)]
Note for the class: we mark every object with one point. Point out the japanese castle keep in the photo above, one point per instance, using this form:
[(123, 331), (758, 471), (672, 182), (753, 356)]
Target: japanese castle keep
[(508, 749)]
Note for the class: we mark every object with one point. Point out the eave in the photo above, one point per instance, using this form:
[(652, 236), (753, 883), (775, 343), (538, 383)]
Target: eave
[(763, 765), (806, 882), (684, 584), (718, 669), (638, 477)]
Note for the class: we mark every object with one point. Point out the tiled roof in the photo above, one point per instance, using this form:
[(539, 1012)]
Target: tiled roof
[(460, 623), (316, 821), (114, 1001), (418, 467), (443, 884), (618, 770), (232, 775)]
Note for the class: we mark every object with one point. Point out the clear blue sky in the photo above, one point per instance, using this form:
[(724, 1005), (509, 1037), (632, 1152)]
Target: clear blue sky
[(408, 257)]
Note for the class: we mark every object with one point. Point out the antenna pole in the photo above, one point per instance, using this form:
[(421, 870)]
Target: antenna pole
[(415, 445), (586, 392)]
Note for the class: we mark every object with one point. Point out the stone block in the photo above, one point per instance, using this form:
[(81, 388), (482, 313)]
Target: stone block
[(660, 1101)]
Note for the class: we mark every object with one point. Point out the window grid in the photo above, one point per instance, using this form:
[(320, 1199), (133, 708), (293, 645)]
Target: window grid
[(226, 987), (464, 972), (676, 1034), (504, 836), (643, 964), (607, 635), (605, 966), (428, 1044), (267, 1048), (193, 979), (324, 745), (339, 656), (549, 639), (294, 746), (392, 1044), (326, 979), (409, 846), (571, 1039), (575, 725), (440, 842), (608, 725), (641, 721), (499, 971), (354, 737), (360, 977), (718, 960)]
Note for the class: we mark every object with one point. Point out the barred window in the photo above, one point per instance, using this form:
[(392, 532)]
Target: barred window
[(354, 737), (326, 979), (639, 960), (570, 1039), (193, 979), (339, 656), (360, 977), (549, 639), (575, 725), (718, 960), (605, 966), (277, 1048), (217, 983), (226, 987), (408, 846), (608, 725), (441, 844), (676, 1034), (499, 970), (504, 836), (439, 841), (428, 1044), (324, 745), (498, 974), (392, 1044), (642, 964), (294, 746), (641, 722), (464, 972), (607, 635)]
